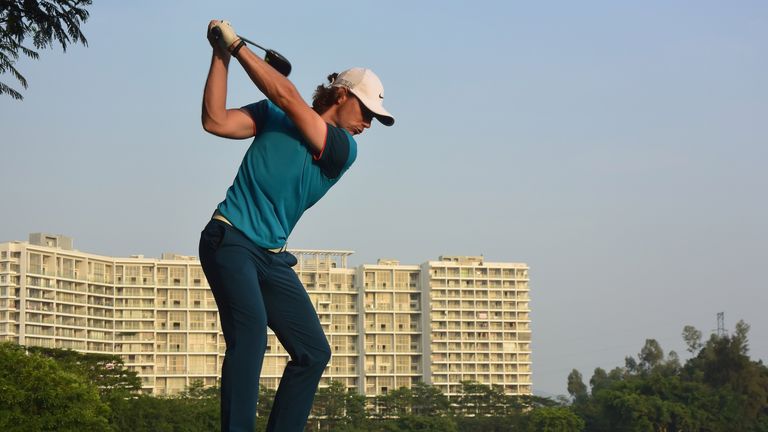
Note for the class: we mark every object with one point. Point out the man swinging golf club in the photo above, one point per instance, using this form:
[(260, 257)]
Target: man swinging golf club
[(298, 153)]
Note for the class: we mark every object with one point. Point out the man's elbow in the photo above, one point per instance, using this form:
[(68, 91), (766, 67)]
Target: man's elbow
[(210, 126), (218, 129)]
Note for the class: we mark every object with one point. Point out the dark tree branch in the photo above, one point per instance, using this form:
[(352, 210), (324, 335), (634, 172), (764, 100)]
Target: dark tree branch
[(45, 22)]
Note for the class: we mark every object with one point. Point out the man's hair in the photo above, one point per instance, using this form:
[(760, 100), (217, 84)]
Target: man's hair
[(325, 95)]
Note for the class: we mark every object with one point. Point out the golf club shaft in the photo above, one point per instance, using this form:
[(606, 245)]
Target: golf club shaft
[(252, 43), (274, 58)]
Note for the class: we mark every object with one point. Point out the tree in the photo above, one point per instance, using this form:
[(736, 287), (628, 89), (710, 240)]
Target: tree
[(489, 424), (718, 390), (599, 380), (264, 407), (742, 384), (530, 402), (576, 387), (630, 364), (45, 22), (475, 399), (481, 400), (395, 403), (651, 355), (740, 336), (198, 390), (106, 371), (337, 408), (157, 414), (196, 409), (421, 424), (356, 415), (38, 395), (501, 404), (202, 405), (429, 400), (692, 338), (328, 407), (554, 419)]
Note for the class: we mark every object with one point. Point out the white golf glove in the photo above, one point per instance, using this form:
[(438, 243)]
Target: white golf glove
[(228, 38)]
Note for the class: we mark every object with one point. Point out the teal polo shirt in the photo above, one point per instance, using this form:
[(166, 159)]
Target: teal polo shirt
[(280, 178)]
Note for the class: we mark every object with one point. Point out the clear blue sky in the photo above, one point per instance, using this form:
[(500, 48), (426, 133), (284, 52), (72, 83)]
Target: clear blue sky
[(619, 149)]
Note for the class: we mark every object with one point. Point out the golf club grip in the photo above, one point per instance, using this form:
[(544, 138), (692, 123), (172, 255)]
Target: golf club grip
[(216, 32)]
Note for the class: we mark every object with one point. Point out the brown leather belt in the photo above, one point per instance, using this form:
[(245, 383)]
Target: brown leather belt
[(220, 217)]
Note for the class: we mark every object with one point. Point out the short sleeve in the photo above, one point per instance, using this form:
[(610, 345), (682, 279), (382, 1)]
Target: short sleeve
[(259, 111), (338, 154)]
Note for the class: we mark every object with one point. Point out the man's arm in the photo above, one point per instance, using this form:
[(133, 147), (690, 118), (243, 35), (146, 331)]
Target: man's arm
[(216, 118), (281, 92)]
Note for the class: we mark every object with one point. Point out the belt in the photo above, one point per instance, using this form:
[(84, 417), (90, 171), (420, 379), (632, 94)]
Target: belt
[(220, 217)]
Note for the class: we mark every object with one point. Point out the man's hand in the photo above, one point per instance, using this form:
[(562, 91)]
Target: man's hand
[(221, 34)]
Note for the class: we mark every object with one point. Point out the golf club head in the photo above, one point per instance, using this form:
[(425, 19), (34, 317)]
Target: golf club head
[(277, 61)]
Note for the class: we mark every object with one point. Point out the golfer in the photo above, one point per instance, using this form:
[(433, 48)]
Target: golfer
[(298, 153)]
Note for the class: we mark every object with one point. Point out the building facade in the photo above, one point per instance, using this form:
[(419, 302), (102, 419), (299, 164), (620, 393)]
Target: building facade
[(389, 325)]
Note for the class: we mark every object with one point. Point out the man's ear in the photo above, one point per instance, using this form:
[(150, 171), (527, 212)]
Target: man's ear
[(342, 95)]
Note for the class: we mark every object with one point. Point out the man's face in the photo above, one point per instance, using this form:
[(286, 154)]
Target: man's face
[(353, 115)]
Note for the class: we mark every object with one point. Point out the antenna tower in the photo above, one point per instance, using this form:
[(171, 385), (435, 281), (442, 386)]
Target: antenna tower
[(721, 324)]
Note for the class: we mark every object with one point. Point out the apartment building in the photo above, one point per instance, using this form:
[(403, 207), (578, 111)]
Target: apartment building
[(389, 325), (157, 314), (393, 350), (478, 323)]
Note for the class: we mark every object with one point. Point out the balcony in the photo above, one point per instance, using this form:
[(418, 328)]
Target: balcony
[(41, 295), (40, 270), (68, 273), (41, 307), (39, 331), (100, 278)]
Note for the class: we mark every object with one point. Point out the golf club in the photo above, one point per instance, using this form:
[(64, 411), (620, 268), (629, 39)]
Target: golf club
[(274, 58)]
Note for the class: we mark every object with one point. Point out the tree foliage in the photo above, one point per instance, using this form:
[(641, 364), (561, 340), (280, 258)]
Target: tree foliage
[(719, 389), (554, 419), (63, 390), (395, 403), (39, 395), (476, 399), (576, 387), (692, 338), (410, 423), (338, 408), (107, 372), (45, 22), (428, 401)]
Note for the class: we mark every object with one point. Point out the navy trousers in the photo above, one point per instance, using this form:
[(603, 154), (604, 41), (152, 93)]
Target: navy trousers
[(255, 288)]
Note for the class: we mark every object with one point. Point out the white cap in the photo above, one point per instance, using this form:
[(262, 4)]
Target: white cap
[(364, 84)]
